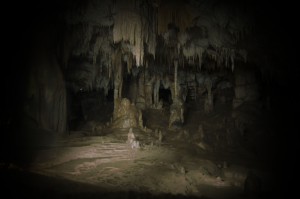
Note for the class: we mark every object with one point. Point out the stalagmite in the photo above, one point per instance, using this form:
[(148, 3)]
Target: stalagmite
[(130, 136)]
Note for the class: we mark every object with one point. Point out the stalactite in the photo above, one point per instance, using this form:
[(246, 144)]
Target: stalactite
[(109, 68), (199, 53), (192, 52), (232, 55), (193, 58), (200, 62), (226, 58), (175, 78), (96, 50), (129, 62), (118, 73), (132, 25), (128, 27)]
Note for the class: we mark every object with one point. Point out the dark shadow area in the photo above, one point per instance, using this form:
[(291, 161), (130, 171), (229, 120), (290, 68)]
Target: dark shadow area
[(165, 96), (30, 185)]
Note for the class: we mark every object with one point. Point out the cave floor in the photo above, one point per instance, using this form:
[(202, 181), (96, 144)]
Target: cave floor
[(176, 166)]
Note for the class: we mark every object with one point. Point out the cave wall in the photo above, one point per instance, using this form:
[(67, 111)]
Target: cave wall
[(46, 94), (44, 106)]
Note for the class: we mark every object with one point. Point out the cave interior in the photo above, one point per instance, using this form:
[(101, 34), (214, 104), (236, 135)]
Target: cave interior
[(149, 99)]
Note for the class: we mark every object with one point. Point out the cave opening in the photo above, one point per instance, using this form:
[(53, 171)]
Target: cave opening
[(165, 96)]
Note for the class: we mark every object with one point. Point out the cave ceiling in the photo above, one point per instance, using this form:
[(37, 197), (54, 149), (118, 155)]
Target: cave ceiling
[(200, 34), (186, 30)]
